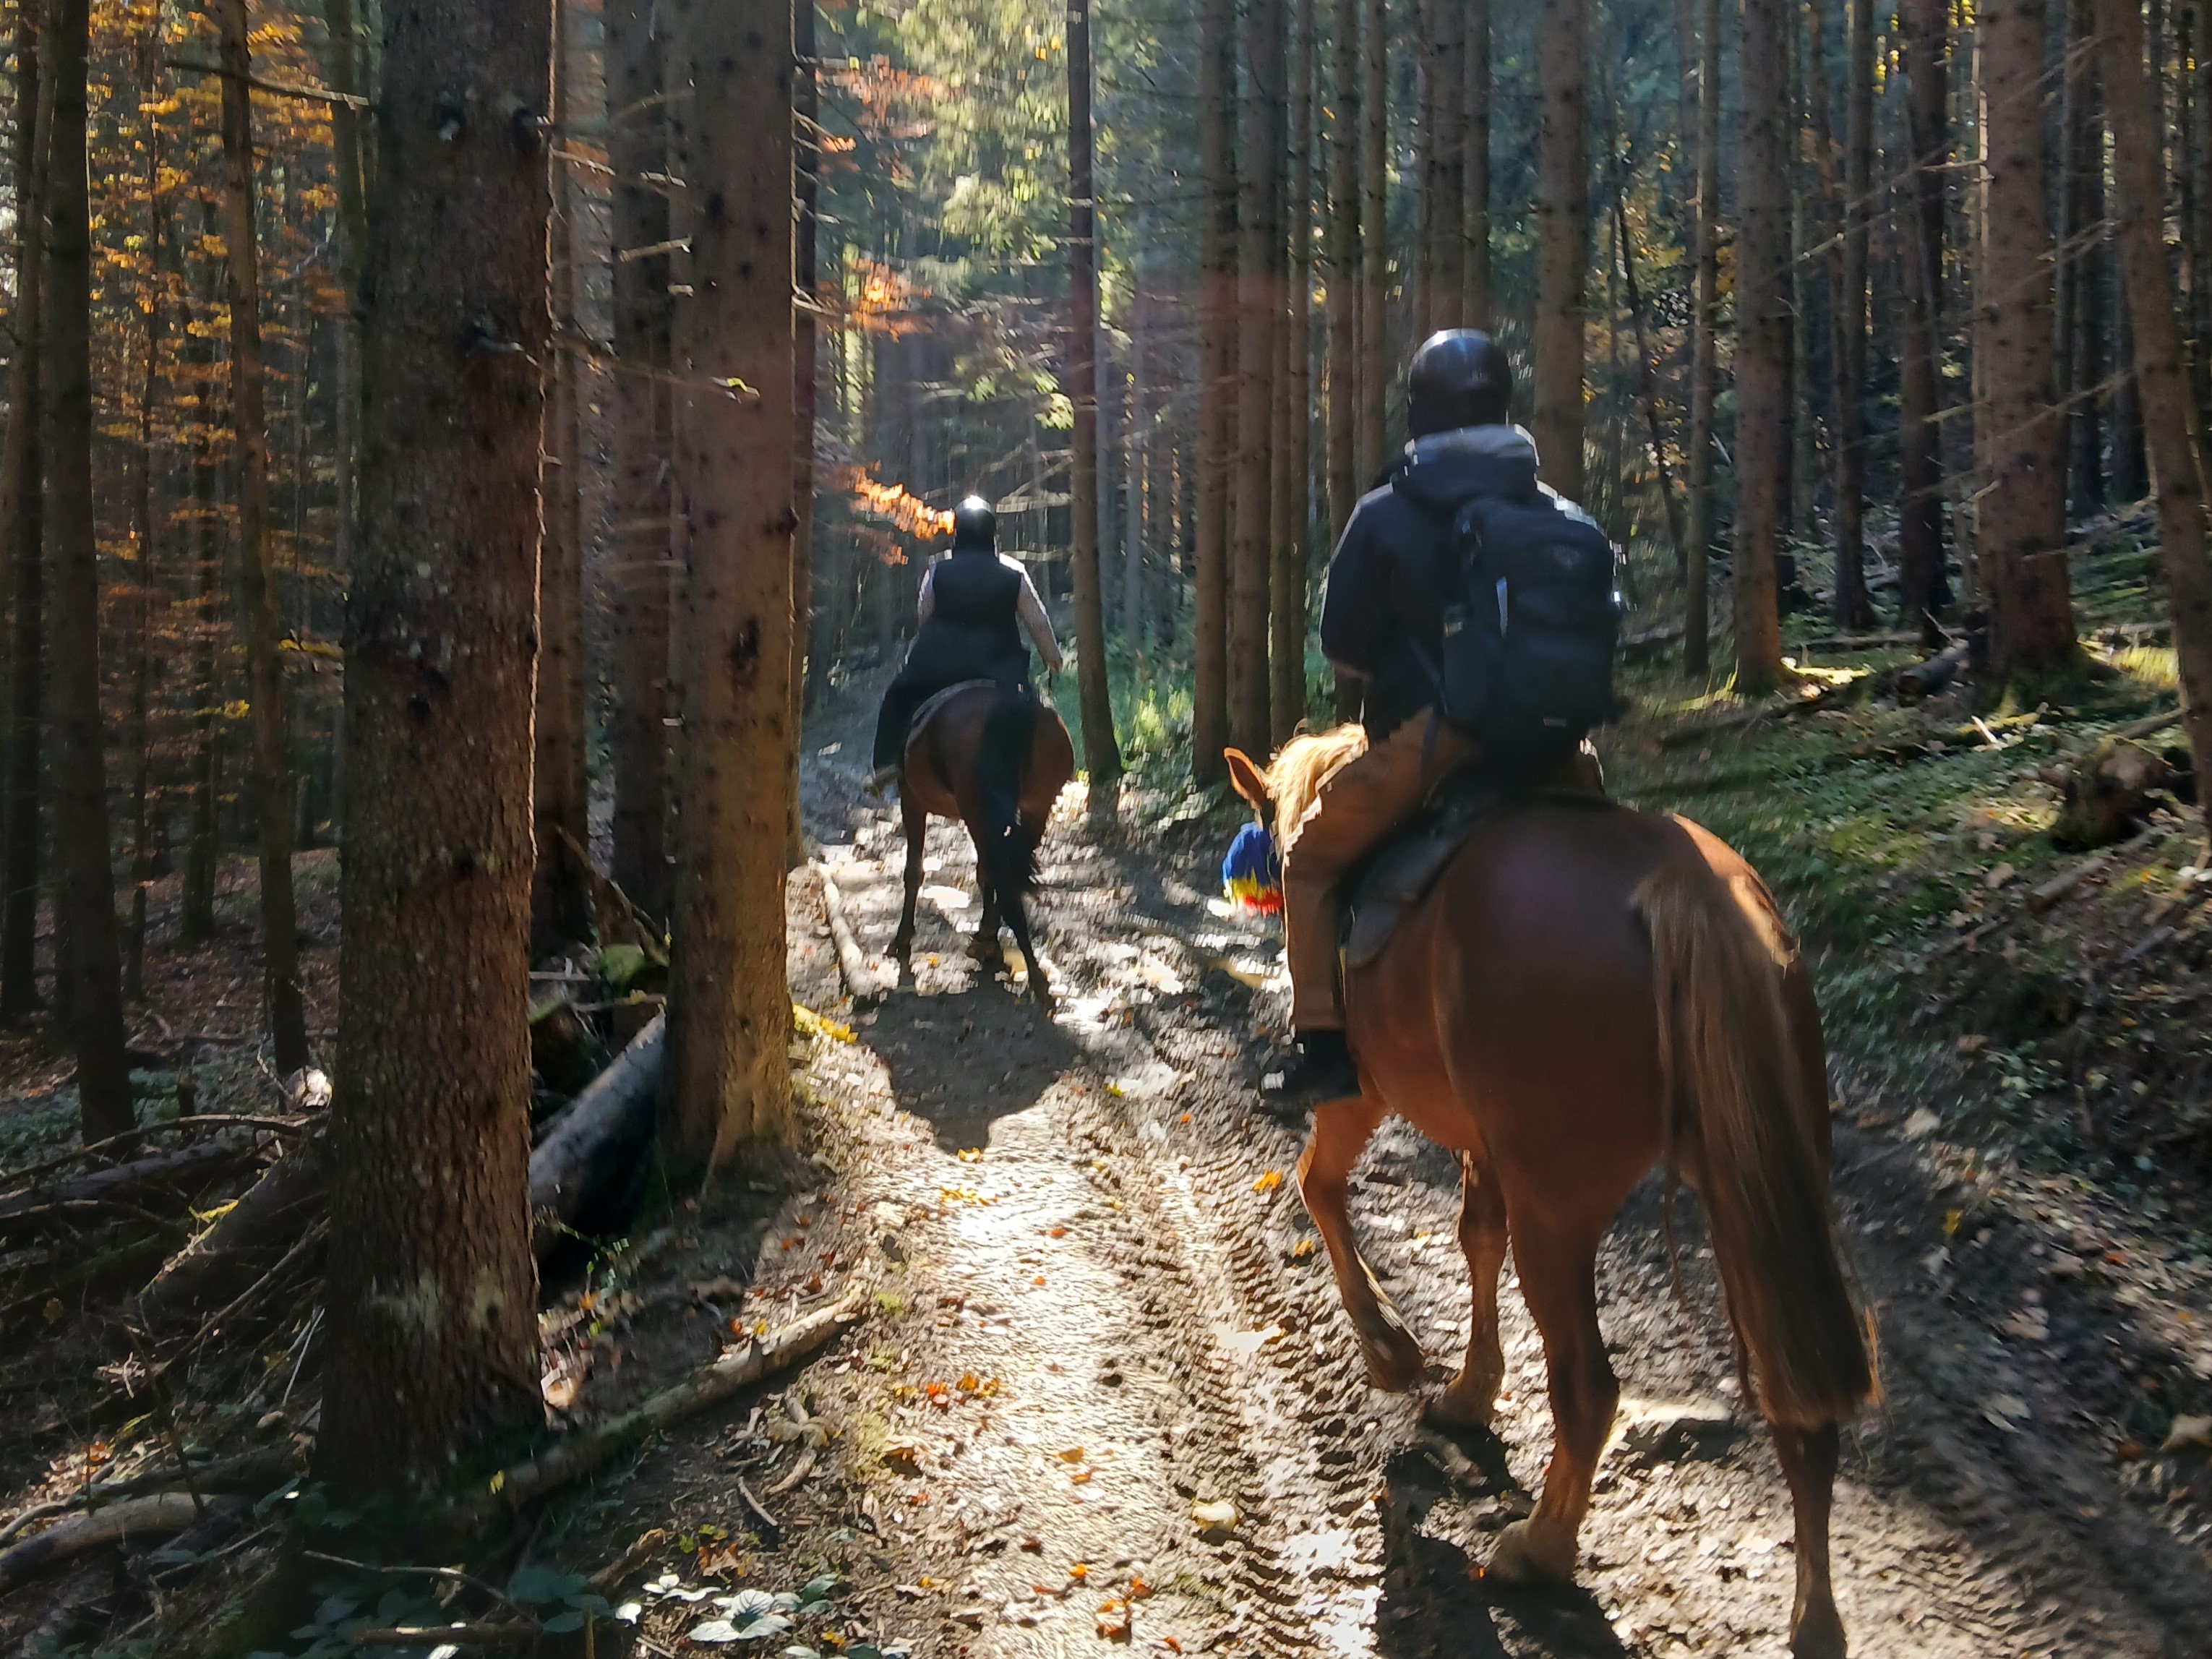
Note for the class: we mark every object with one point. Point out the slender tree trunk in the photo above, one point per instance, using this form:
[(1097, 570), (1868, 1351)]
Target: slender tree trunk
[(1852, 609), (1286, 587), (2084, 343), (1647, 381), (88, 884), (1762, 355), (637, 145), (2023, 512), (2170, 418), (729, 1080), (265, 619), (22, 517), (806, 164), (1259, 305), (195, 921), (139, 743), (1135, 467), (1923, 590), (1374, 366), (559, 897), (1562, 240), (431, 1288), (352, 245), (2200, 162), (1216, 402), (1343, 250), (1475, 303), (1705, 360), (1102, 749), (1448, 281)]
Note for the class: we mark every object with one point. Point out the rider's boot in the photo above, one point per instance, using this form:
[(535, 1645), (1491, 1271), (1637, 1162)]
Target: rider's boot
[(1322, 1072)]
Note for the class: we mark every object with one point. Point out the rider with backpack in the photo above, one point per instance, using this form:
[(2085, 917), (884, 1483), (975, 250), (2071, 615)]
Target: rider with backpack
[(1476, 611), (977, 603)]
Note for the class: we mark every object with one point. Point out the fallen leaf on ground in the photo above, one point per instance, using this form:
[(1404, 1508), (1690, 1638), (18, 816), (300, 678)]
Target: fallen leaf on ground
[(1268, 1182), (1301, 1250), (2188, 1434), (1073, 1455), (2008, 1411), (1221, 1516)]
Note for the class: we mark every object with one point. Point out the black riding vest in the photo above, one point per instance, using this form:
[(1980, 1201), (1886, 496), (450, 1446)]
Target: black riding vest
[(975, 608)]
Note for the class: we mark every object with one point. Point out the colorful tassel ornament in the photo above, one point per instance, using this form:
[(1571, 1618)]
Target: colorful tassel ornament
[(1252, 874)]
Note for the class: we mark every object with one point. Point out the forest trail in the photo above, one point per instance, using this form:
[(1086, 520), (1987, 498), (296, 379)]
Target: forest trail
[(1107, 1273)]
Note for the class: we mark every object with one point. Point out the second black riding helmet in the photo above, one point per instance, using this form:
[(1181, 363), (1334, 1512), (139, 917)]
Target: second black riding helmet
[(1460, 377), (975, 526)]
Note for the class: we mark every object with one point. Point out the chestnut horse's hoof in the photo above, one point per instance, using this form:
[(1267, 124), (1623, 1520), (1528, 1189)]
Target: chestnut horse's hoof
[(1394, 1357), (1468, 1403), (1817, 1632), (1530, 1555), (987, 953)]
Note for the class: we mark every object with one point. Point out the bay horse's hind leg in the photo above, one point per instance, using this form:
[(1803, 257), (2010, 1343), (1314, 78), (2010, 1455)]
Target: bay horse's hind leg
[(1558, 1281), (1341, 1130), (915, 819), (984, 949), (1017, 923), (1473, 1396), (1809, 1464)]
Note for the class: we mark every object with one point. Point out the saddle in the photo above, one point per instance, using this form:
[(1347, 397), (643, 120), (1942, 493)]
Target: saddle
[(937, 700), (1382, 889)]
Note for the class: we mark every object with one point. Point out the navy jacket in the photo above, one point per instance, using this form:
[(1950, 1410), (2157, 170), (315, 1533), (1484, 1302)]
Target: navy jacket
[(1395, 571)]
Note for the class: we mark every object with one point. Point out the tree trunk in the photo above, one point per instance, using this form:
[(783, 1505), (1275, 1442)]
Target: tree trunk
[(2023, 511), (729, 1079), (1852, 610), (1448, 174), (352, 245), (1562, 242), (1259, 305), (1102, 749), (637, 145), (139, 741), (1923, 590), (2084, 341), (2200, 164), (1135, 468), (1216, 402), (1704, 359), (23, 517), (1475, 304), (1343, 253), (806, 166), (2170, 416), (1762, 355), (86, 896), (431, 1289), (1647, 381), (1286, 587), (1375, 365), (265, 619), (560, 898)]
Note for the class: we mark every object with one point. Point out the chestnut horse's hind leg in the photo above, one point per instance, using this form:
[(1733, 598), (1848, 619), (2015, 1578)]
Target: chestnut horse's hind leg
[(1809, 1464), (916, 820), (1558, 1281), (1473, 1396), (1341, 1130)]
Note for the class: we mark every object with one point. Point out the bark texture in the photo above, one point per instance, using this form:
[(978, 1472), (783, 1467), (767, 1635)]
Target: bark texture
[(1101, 751), (1922, 591), (1343, 255), (1217, 405), (1762, 356), (1259, 305), (432, 1290), (1562, 241), (729, 1079), (1704, 361), (1286, 585)]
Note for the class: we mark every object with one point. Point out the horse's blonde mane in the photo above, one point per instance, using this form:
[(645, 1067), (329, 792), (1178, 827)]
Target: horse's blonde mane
[(1306, 762)]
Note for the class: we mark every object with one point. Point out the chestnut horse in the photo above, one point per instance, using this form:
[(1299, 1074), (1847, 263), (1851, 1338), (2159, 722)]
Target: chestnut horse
[(1588, 990), (994, 756)]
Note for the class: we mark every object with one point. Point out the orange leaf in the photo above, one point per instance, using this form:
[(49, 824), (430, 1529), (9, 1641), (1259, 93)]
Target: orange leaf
[(1268, 1182)]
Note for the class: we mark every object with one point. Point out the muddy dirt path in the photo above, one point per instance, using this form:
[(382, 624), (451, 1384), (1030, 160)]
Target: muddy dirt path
[(1112, 1320)]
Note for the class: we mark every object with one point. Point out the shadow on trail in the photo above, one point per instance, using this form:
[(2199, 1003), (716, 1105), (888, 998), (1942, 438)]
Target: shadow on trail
[(962, 1060)]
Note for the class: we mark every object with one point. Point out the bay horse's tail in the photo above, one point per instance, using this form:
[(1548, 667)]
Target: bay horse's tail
[(1002, 763), (1740, 1119)]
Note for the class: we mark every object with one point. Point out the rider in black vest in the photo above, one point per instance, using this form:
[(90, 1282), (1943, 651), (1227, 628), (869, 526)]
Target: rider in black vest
[(975, 606)]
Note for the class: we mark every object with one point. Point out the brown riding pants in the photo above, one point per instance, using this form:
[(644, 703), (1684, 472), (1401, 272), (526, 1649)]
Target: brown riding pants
[(1353, 810)]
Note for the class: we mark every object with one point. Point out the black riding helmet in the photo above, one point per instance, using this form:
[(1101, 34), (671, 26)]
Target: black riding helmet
[(975, 526), (1460, 377)]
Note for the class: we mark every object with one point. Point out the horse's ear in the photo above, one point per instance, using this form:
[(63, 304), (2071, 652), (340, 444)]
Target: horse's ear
[(1246, 778)]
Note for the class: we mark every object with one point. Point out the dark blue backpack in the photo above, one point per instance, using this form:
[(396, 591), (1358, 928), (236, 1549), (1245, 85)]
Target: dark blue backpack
[(1530, 643)]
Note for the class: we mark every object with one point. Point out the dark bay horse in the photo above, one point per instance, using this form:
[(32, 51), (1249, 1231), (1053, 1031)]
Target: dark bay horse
[(994, 756), (1585, 992)]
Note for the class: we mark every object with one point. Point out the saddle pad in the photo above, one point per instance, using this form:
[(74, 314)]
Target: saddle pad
[(1396, 876), (937, 701)]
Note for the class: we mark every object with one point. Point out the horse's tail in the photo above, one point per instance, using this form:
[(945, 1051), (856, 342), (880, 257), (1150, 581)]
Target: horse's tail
[(1002, 764), (1747, 1115)]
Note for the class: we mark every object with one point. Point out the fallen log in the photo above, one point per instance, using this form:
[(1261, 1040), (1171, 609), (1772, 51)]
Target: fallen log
[(139, 1519), (851, 963), (2109, 793), (242, 1245), (2058, 886), (589, 1146), (163, 1171), (1925, 679), (577, 1454)]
